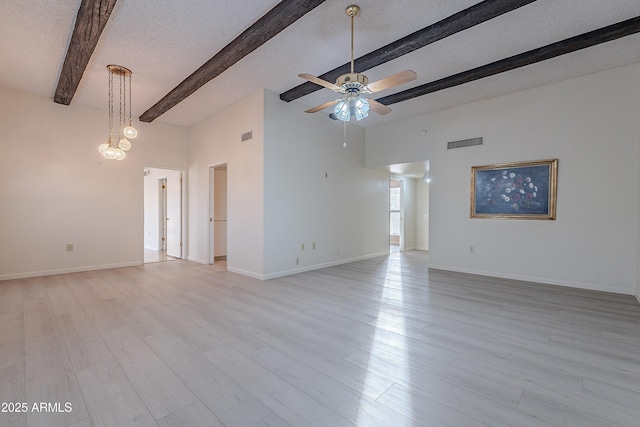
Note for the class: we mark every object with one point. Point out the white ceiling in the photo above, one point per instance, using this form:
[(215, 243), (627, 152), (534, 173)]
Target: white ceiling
[(164, 41)]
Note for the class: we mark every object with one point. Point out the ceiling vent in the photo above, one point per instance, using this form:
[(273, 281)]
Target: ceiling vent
[(246, 136), (464, 143)]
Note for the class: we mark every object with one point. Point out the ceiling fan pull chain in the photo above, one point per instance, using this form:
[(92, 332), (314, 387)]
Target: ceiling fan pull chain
[(344, 135)]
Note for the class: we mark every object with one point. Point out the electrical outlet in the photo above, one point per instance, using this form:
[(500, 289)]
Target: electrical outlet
[(69, 247), (472, 249), (313, 246), (297, 261)]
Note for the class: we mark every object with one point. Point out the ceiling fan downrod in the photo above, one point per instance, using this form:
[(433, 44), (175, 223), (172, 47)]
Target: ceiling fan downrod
[(352, 11)]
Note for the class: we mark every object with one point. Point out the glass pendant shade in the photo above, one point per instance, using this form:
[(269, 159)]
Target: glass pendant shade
[(103, 147), (361, 108), (120, 154), (124, 144), (342, 111), (352, 106), (110, 153), (130, 132)]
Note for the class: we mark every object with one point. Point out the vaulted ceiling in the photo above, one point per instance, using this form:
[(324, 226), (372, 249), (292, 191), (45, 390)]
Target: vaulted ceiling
[(462, 50)]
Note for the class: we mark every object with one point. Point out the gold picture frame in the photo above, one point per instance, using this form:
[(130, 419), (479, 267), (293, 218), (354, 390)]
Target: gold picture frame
[(521, 190)]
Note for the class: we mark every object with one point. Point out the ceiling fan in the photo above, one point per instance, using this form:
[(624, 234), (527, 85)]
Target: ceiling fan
[(352, 85)]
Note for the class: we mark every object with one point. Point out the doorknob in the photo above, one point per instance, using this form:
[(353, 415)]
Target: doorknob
[(168, 219)]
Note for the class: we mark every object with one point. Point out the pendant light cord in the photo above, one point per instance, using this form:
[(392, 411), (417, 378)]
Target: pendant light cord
[(129, 99), (110, 108), (123, 90)]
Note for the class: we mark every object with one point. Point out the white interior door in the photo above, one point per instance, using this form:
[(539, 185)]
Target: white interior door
[(220, 213), (174, 214), (217, 212)]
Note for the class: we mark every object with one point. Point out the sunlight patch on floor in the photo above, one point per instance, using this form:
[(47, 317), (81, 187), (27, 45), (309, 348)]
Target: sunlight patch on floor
[(390, 331)]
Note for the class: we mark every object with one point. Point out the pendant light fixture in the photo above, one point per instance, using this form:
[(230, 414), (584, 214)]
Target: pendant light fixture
[(118, 144)]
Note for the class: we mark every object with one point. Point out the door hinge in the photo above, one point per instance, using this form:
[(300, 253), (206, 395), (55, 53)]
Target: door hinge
[(180, 244)]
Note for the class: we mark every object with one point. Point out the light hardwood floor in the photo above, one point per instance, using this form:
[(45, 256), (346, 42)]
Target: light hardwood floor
[(381, 342), (156, 256)]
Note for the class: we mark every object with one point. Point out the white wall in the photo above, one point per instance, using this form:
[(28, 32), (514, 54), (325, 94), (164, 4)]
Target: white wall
[(215, 141), (318, 191), (591, 124), (638, 243), (57, 189)]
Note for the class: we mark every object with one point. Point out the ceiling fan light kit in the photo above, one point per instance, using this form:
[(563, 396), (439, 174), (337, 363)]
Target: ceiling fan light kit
[(352, 85)]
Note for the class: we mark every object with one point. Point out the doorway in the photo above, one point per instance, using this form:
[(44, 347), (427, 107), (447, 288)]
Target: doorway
[(409, 205), (396, 216), (218, 230), (162, 189), (162, 215)]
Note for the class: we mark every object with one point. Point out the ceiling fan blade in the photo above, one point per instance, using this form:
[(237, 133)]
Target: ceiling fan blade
[(391, 81), (378, 107), (316, 80), (323, 106)]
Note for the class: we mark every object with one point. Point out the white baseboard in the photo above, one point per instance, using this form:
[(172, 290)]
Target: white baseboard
[(198, 260), (67, 270), (541, 280), (297, 270), (245, 272)]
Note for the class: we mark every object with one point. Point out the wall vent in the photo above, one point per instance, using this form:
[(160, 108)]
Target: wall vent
[(464, 143), (246, 136)]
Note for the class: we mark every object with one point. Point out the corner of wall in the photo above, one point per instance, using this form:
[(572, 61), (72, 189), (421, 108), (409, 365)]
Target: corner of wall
[(283, 273), (212, 141)]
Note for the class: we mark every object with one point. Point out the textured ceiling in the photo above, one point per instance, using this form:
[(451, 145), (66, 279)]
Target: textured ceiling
[(164, 41)]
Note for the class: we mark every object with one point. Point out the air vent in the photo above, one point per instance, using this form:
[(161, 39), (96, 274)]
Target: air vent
[(464, 143), (246, 136)]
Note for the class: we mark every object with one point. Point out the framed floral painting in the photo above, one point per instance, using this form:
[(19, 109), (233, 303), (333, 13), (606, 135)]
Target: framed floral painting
[(524, 190)]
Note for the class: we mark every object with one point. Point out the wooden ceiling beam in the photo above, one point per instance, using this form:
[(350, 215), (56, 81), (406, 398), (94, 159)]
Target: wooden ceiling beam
[(455, 23), (583, 41), (277, 19), (91, 19)]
